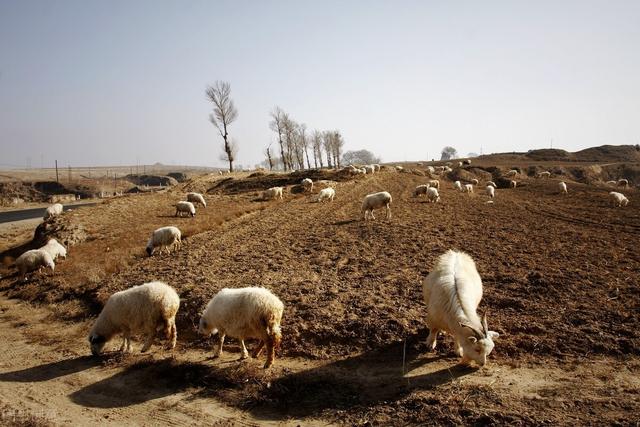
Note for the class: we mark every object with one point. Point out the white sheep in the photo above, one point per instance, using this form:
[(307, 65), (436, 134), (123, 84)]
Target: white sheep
[(490, 191), (432, 195), (544, 174), (618, 199), (491, 183), (460, 164), (245, 313), (434, 183), (34, 260), (370, 169), (185, 208), (196, 198), (457, 185), (512, 172), (623, 183), (513, 184), (452, 292), (420, 189), (562, 186), (55, 249), (272, 193), (376, 201), (307, 184), (326, 194), (475, 181), (53, 210), (142, 309), (167, 238), (399, 168), (431, 169), (376, 167), (468, 188)]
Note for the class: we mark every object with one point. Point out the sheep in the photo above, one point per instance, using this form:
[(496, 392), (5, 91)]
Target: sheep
[(376, 201), (490, 191), (376, 167), (434, 183), (399, 168), (165, 238), (466, 162), (34, 260), (623, 183), (431, 169), (307, 184), (452, 292), (420, 189), (512, 172), (563, 187), (369, 169), (457, 185), (513, 184), (53, 210), (447, 169), (142, 309), (460, 164), (326, 193), (55, 249), (185, 208), (244, 313), (618, 199), (491, 183), (543, 174), (196, 198), (468, 188), (475, 181), (272, 193), (432, 195)]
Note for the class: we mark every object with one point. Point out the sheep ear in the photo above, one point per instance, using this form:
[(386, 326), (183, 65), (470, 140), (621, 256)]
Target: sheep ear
[(493, 334)]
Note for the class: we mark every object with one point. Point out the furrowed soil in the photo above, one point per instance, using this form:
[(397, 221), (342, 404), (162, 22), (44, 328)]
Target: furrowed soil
[(560, 275)]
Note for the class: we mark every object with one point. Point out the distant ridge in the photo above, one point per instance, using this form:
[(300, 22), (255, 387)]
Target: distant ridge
[(603, 153)]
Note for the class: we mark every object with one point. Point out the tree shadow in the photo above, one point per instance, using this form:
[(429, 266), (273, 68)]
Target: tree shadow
[(51, 370)]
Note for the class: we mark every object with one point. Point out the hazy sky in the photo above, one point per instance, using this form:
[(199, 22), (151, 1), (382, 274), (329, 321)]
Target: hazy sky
[(107, 82)]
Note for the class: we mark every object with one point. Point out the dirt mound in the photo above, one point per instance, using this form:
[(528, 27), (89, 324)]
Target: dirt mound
[(152, 180), (609, 153), (467, 174), (260, 181), (9, 191), (178, 176), (550, 154)]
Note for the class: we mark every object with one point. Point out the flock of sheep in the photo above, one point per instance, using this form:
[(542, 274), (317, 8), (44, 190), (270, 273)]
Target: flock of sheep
[(452, 290)]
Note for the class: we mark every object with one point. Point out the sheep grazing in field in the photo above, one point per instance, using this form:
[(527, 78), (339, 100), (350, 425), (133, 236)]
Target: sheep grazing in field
[(431, 169), (432, 195), (611, 182), (196, 198), (164, 238), (618, 199), (53, 210), (369, 169), (434, 183), (143, 310), (513, 184), (460, 164), (563, 187), (399, 168), (376, 201), (34, 260), (420, 189), (244, 313), (491, 191), (475, 181), (457, 185), (512, 172), (55, 249), (543, 174), (272, 193), (376, 167), (466, 162), (307, 184), (185, 208), (452, 292), (623, 183), (326, 194), (468, 188), (491, 183)]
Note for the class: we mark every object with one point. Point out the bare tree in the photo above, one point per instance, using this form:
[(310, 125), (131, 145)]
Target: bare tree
[(360, 157), (448, 153), (304, 141), (278, 125), (290, 128), (337, 142), (317, 148), (224, 113), (327, 140), (230, 150), (267, 152)]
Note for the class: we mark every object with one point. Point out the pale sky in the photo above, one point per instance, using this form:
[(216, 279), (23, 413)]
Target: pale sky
[(110, 82)]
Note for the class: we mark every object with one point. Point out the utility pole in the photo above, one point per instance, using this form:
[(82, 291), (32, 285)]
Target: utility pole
[(57, 180), (69, 166)]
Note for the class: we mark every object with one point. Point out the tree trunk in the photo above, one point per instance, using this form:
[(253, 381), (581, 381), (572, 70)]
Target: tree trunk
[(284, 159)]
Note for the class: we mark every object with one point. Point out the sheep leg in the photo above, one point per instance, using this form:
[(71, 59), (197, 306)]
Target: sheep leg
[(388, 212), (218, 352), (172, 334), (258, 350), (459, 350), (150, 336), (432, 339), (245, 353), (371, 214), (271, 351)]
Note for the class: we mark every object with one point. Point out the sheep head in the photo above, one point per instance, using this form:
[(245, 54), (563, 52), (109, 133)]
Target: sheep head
[(97, 344), (480, 344)]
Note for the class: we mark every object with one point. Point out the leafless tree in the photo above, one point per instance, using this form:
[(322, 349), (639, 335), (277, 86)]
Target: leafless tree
[(290, 128), (267, 152), (224, 113), (337, 142), (304, 141), (280, 118), (317, 148), (326, 142), (229, 153)]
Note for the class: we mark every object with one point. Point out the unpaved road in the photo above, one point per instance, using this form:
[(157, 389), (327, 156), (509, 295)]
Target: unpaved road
[(23, 214)]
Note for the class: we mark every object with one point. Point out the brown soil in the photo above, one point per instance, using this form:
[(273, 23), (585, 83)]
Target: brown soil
[(560, 274)]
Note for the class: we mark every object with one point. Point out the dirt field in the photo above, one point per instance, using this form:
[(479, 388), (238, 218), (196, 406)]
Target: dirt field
[(560, 276)]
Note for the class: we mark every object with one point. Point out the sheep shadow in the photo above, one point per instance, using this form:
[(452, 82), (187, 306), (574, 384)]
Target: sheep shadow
[(346, 221), (50, 371)]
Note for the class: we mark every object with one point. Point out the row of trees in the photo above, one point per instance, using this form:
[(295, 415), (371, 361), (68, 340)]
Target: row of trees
[(295, 142)]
